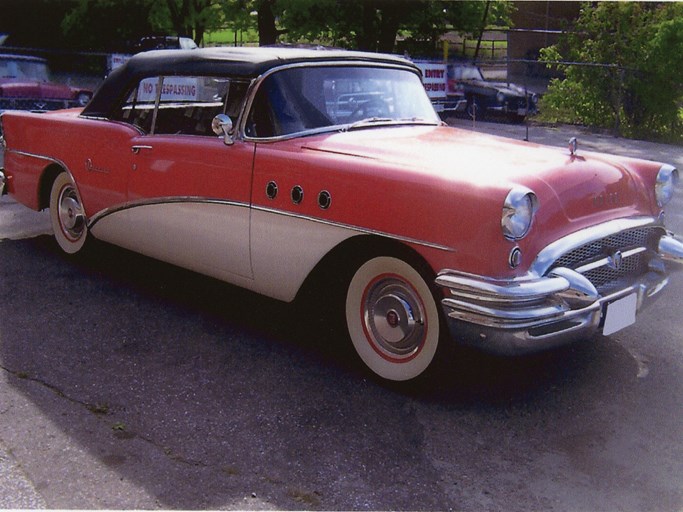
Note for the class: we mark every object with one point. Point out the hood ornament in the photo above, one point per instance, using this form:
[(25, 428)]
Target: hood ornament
[(573, 146)]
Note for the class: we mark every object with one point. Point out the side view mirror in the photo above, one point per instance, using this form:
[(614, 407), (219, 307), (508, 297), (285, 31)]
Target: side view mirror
[(222, 125)]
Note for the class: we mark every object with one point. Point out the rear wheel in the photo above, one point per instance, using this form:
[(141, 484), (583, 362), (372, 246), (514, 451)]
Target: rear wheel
[(67, 215), (392, 318)]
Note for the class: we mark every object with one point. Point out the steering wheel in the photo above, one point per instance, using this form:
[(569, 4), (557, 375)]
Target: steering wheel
[(374, 107)]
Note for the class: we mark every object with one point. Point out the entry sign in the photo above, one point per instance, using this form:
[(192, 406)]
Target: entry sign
[(434, 79)]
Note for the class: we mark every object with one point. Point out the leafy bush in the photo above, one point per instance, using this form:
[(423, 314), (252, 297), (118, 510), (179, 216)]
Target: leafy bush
[(623, 69)]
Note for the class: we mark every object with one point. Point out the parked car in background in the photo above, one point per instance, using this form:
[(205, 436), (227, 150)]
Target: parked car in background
[(25, 84), (164, 43), (485, 98), (298, 173)]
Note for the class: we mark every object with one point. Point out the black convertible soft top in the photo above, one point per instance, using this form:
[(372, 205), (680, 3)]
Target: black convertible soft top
[(237, 62)]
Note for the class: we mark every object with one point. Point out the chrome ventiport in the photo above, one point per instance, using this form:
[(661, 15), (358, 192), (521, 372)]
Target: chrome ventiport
[(324, 199), (271, 190), (297, 194)]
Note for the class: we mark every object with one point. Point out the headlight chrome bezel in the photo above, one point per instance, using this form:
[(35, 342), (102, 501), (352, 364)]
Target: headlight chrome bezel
[(519, 210), (666, 181)]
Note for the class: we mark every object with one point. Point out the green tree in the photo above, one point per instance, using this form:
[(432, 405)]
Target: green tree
[(261, 15), (374, 24), (189, 18), (358, 24), (638, 89), (106, 24), (111, 24)]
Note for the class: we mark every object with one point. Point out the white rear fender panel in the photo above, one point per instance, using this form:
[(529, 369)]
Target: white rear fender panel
[(215, 238), (285, 249)]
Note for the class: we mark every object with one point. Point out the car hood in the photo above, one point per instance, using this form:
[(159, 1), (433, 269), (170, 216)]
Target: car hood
[(504, 87), (41, 90), (585, 186)]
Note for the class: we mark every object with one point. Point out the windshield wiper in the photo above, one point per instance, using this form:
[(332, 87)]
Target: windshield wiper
[(371, 121), (367, 122), (415, 120)]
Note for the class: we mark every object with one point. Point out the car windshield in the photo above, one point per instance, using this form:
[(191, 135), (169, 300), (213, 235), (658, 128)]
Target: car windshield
[(23, 69), (299, 99), (465, 73)]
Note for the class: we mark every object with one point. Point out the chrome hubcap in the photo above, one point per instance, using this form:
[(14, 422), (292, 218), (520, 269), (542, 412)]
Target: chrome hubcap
[(394, 317), (71, 215)]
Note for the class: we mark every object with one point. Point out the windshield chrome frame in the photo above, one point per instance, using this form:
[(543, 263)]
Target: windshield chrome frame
[(256, 83)]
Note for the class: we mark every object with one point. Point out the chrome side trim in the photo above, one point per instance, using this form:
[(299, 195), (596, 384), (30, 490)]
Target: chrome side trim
[(358, 229), (36, 155), (158, 201), (195, 199)]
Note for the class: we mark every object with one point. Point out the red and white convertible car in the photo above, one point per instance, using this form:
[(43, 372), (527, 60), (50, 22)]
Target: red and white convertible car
[(276, 168)]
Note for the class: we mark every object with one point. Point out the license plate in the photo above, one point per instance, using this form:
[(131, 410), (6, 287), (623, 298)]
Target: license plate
[(619, 314)]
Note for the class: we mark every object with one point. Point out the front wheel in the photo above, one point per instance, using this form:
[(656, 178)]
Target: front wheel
[(392, 318), (67, 215)]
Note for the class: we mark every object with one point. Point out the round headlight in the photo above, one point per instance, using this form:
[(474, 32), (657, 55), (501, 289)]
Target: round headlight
[(518, 213), (500, 97), (667, 177), (83, 98)]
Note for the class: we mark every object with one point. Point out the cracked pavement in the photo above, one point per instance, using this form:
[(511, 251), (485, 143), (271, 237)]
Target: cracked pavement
[(126, 383)]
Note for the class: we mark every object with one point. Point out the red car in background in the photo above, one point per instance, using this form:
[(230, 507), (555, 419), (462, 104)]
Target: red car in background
[(25, 84), (288, 170)]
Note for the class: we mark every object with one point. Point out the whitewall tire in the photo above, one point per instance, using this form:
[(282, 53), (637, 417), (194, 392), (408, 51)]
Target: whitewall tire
[(392, 318), (67, 215)]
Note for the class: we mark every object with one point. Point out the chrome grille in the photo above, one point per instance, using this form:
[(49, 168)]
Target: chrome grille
[(36, 104), (605, 277)]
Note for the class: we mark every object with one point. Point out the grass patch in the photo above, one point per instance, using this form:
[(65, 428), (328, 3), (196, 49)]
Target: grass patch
[(228, 37)]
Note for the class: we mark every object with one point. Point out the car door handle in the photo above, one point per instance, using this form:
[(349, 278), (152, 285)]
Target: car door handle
[(137, 149)]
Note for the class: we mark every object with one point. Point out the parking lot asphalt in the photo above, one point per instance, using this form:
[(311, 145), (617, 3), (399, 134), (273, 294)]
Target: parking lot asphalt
[(602, 432)]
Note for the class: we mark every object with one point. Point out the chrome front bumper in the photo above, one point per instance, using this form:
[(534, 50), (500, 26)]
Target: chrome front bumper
[(535, 313)]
